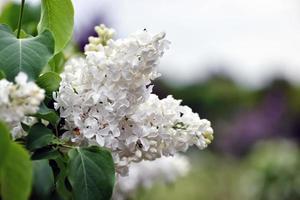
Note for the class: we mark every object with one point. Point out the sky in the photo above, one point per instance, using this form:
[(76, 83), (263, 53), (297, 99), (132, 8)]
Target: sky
[(251, 40)]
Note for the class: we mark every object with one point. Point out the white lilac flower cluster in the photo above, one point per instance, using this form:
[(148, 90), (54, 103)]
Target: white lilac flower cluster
[(145, 174), (18, 100), (105, 99)]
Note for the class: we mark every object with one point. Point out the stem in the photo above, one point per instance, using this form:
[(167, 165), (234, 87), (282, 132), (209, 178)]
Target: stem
[(67, 146), (64, 148), (20, 18)]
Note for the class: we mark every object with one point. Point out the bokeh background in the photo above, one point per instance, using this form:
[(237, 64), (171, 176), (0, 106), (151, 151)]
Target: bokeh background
[(234, 62)]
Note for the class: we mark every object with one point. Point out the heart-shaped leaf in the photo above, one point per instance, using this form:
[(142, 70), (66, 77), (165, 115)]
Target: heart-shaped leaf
[(29, 55), (43, 179), (45, 153), (47, 114), (58, 17), (91, 173), (39, 136)]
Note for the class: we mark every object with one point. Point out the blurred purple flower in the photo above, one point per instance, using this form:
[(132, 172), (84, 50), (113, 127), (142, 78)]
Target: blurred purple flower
[(88, 14), (268, 119)]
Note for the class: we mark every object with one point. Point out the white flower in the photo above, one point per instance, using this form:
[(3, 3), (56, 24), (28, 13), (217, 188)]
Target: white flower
[(147, 173), (106, 100), (18, 100), (104, 33), (168, 127), (17, 129)]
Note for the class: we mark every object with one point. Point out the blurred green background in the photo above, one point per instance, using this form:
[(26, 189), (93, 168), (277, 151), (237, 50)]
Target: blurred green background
[(255, 154)]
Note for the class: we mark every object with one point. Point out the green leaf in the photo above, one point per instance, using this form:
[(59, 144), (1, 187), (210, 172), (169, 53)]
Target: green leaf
[(61, 179), (16, 174), (4, 143), (2, 75), (10, 15), (45, 153), (29, 55), (39, 136), (25, 127), (49, 81), (23, 34), (47, 114), (57, 63), (58, 17), (43, 179), (91, 173)]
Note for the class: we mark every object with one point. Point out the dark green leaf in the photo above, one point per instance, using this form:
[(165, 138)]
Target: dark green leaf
[(91, 173), (61, 179), (43, 179), (25, 127), (45, 153), (49, 81), (29, 55), (58, 17), (39, 136), (47, 114), (16, 174), (4, 143)]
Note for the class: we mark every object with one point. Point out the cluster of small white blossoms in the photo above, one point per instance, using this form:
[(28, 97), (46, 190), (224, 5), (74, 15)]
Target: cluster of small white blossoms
[(18, 100), (145, 174), (105, 99)]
